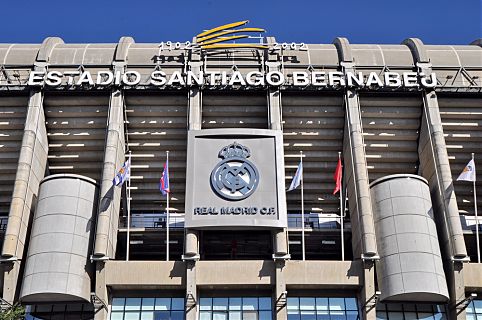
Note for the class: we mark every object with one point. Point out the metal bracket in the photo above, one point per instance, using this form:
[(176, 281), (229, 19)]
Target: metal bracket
[(195, 257), (465, 259), (370, 303), (281, 257), (190, 300), (103, 258), (97, 302), (282, 300), (4, 304), (465, 303), (372, 258), (7, 260)]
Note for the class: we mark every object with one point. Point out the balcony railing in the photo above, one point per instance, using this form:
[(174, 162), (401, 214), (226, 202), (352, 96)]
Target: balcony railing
[(3, 224), (176, 221), (153, 222)]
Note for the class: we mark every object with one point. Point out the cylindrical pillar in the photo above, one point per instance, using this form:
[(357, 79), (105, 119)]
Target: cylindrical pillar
[(191, 242), (58, 267), (410, 266), (281, 242)]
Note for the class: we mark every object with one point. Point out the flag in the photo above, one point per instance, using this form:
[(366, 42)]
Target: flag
[(337, 176), (123, 174), (468, 174), (164, 182), (297, 178)]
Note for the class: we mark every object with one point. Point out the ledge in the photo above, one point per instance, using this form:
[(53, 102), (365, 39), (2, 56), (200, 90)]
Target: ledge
[(323, 274), (145, 274), (473, 276)]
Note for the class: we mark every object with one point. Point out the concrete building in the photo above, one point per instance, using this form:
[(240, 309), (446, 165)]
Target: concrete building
[(405, 119)]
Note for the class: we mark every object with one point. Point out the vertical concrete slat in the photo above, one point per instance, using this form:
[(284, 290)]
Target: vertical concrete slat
[(280, 237), (280, 292), (110, 196), (191, 236), (436, 157), (356, 166), (106, 233), (114, 156), (30, 171), (358, 186), (435, 167)]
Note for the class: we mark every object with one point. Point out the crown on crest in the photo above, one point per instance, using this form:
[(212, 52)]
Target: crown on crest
[(235, 150)]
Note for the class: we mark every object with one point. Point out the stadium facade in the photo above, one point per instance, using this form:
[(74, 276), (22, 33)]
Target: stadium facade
[(405, 119)]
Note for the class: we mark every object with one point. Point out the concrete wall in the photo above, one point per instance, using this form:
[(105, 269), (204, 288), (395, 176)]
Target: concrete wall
[(57, 266), (234, 274)]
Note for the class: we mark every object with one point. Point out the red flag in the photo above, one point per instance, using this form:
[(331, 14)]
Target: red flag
[(337, 177)]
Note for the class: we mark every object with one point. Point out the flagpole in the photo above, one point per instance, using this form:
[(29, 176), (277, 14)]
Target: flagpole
[(302, 210), (476, 216), (167, 212), (342, 216), (128, 193)]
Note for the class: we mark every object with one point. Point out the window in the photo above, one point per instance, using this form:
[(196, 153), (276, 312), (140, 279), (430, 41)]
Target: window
[(320, 308), (236, 308), (59, 311), (474, 310), (147, 309), (411, 312)]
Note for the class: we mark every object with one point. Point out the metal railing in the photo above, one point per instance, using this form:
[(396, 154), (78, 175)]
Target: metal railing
[(153, 222), (3, 224), (175, 222), (315, 224)]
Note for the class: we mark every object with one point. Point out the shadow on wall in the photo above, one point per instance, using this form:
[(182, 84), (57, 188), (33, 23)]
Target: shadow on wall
[(107, 199)]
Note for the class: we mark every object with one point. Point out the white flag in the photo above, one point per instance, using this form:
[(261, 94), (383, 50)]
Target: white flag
[(468, 174), (123, 174), (297, 178)]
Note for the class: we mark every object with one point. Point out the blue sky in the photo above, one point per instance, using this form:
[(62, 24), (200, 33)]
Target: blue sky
[(361, 21)]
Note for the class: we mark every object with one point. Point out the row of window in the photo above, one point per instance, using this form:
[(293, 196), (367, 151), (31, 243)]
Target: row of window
[(236, 308), (147, 309), (311, 308), (474, 310), (411, 312), (260, 308)]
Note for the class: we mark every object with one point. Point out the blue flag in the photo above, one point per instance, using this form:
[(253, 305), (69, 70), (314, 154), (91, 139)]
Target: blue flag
[(297, 178)]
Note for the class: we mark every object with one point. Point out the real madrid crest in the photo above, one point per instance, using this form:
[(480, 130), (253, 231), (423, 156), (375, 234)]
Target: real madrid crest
[(235, 177)]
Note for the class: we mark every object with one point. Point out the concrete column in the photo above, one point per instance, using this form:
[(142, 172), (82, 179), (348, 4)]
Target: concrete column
[(191, 291), (434, 162), (366, 297), (195, 94), (280, 292), (110, 196), (435, 167), (280, 242), (273, 63), (191, 240), (455, 280), (356, 173), (31, 168), (114, 157), (192, 245), (101, 292)]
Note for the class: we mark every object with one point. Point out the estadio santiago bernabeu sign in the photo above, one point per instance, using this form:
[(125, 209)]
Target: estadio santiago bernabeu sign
[(235, 178), (158, 78)]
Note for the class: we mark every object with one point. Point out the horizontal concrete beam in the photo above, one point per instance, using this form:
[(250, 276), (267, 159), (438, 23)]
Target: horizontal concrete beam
[(241, 273), (246, 273), (148, 274), (323, 274), (473, 277)]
